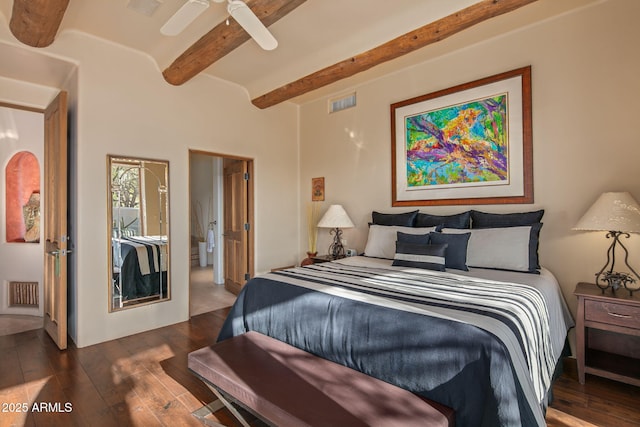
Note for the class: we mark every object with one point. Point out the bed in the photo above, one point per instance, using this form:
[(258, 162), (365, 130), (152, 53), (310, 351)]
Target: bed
[(483, 341), (140, 267)]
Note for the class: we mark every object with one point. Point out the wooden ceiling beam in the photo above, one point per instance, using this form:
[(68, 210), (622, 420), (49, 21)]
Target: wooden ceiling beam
[(222, 39), (36, 22), (407, 43)]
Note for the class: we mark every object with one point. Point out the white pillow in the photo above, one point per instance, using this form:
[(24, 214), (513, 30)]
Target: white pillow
[(381, 242), (507, 248)]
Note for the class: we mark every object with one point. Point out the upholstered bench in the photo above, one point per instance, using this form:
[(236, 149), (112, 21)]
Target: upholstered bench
[(285, 386)]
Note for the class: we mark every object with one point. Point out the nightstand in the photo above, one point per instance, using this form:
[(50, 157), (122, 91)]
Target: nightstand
[(323, 258), (608, 333)]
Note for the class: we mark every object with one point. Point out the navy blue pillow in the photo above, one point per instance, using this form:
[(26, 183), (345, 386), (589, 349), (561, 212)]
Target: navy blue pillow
[(418, 239), (534, 244), (493, 220), (406, 219), (461, 220), (456, 255), (430, 257)]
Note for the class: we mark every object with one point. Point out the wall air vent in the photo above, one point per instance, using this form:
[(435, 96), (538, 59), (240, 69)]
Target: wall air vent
[(342, 103), (24, 294)]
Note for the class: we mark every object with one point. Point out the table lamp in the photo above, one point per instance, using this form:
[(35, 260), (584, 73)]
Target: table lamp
[(618, 214), (336, 218)]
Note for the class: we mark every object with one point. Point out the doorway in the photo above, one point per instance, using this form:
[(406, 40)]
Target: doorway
[(21, 277), (41, 291), (221, 206)]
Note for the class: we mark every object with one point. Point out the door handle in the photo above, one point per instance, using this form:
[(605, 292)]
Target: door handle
[(58, 252), (56, 265)]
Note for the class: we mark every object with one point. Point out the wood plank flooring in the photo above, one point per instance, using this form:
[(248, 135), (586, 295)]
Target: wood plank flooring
[(142, 380)]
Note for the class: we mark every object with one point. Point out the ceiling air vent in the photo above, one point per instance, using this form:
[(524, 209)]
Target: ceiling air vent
[(145, 7), (342, 103)]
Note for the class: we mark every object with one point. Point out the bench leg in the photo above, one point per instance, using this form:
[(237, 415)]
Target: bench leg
[(206, 410), (216, 405)]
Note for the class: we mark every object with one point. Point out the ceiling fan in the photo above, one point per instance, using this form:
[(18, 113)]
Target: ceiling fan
[(238, 9)]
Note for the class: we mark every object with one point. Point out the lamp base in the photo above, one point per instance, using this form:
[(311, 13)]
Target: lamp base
[(607, 278), (615, 280), (336, 250)]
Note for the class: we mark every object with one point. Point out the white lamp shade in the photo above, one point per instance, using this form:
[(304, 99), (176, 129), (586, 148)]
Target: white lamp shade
[(615, 211), (335, 217)]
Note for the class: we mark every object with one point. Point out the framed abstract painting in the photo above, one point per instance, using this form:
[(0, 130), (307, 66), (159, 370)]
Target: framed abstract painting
[(468, 144)]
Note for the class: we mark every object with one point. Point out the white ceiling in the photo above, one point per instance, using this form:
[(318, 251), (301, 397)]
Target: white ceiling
[(315, 35)]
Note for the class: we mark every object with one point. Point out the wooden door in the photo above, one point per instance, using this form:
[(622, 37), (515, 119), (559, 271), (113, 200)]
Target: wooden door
[(236, 224), (55, 220)]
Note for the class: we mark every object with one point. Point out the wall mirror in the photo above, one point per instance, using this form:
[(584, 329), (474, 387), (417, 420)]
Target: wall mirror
[(138, 224)]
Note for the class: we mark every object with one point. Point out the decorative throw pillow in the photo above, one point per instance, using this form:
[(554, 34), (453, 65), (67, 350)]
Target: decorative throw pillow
[(430, 257), (405, 219), (456, 255), (461, 220), (493, 220), (505, 248), (418, 239), (381, 242)]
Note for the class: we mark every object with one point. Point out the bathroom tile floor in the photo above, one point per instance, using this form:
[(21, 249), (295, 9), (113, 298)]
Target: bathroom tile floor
[(205, 295)]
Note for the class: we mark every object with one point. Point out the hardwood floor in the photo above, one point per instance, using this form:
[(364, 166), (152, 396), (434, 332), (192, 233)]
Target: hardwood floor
[(142, 380), (600, 401)]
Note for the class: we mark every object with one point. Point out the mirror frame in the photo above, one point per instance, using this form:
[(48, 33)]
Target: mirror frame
[(137, 162)]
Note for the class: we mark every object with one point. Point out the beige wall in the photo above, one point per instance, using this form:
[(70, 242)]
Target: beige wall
[(122, 106), (585, 68), (132, 111)]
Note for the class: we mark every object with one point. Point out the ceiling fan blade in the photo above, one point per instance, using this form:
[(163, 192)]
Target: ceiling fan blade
[(251, 24), (184, 16)]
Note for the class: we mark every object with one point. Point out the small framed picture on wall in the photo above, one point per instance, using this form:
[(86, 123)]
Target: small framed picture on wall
[(317, 189)]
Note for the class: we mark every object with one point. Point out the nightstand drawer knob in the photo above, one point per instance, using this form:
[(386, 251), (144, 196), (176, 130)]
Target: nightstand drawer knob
[(623, 316)]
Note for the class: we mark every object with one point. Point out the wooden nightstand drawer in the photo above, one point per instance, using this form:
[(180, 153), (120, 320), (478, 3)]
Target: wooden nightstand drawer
[(612, 313)]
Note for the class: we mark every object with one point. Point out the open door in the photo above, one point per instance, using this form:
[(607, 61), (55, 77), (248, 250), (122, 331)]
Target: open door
[(237, 224), (55, 220)]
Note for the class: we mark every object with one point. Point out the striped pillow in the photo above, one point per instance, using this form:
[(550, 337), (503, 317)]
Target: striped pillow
[(430, 257)]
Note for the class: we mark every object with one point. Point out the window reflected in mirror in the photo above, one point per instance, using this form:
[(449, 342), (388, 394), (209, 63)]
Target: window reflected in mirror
[(138, 221)]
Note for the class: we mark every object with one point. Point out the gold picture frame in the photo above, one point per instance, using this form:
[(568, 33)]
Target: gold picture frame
[(317, 189)]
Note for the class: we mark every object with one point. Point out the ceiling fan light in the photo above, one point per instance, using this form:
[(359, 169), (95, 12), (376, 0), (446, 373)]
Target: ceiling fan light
[(184, 16), (251, 24)]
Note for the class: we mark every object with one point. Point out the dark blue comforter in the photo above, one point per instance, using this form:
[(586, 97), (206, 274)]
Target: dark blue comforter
[(458, 364)]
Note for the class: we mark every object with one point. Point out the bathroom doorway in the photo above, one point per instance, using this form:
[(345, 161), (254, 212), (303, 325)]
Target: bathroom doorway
[(221, 206)]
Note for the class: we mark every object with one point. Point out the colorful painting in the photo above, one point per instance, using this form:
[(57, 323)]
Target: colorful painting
[(467, 144), (461, 144)]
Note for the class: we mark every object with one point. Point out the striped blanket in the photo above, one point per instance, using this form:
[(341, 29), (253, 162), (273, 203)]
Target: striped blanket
[(142, 265), (483, 347), (151, 251)]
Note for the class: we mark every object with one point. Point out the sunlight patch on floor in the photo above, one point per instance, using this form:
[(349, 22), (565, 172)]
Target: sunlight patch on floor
[(19, 401)]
